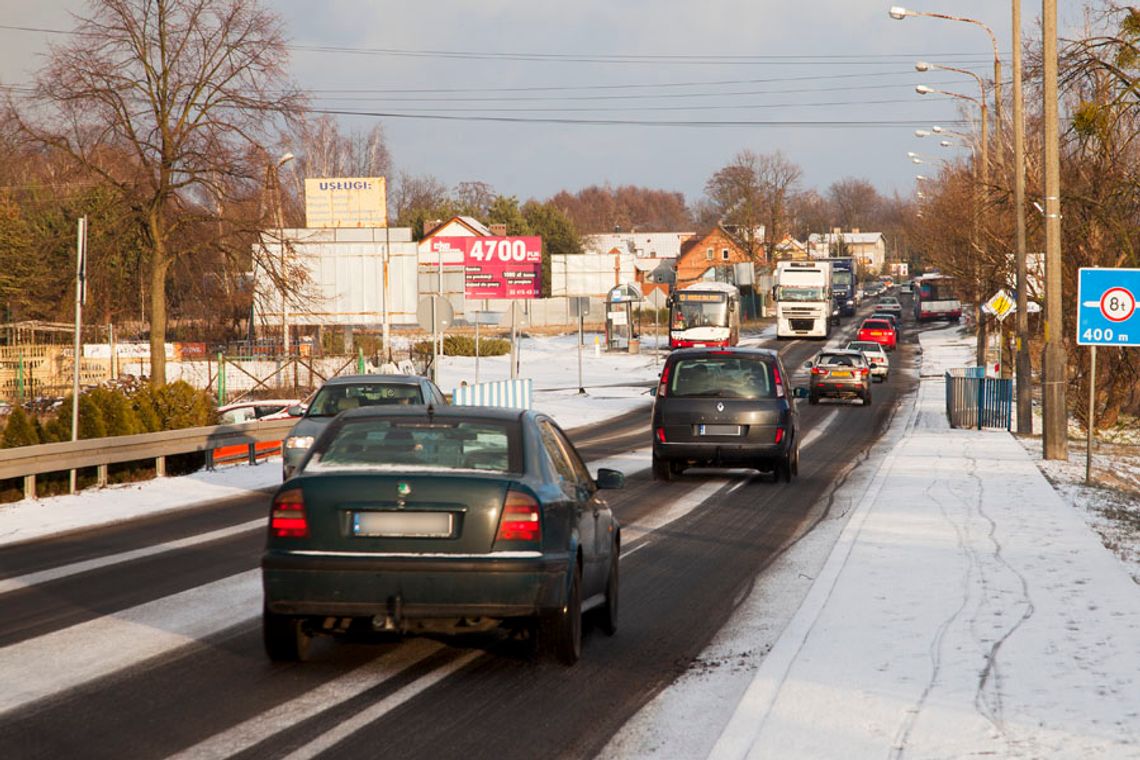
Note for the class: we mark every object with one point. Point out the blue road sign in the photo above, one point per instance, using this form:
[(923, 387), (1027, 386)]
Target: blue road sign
[(1106, 307)]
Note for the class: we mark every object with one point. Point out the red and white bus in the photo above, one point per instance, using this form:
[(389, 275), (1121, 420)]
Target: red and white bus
[(704, 314), (936, 297)]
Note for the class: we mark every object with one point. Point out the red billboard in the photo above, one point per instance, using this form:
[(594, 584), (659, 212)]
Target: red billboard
[(498, 267)]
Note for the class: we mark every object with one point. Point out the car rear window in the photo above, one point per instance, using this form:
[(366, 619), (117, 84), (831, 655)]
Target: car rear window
[(723, 376), (840, 360), (876, 324), (372, 444), (865, 345)]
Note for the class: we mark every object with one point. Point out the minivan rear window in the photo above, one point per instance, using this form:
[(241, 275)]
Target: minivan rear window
[(722, 376)]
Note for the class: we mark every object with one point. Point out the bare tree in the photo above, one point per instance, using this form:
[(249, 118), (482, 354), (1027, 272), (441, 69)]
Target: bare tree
[(753, 191), (474, 198), (188, 90), (323, 150), (855, 202)]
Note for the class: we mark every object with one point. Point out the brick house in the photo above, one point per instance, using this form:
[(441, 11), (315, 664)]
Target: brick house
[(716, 249)]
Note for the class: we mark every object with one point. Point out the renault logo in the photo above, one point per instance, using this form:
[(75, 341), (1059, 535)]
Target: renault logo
[(720, 406)]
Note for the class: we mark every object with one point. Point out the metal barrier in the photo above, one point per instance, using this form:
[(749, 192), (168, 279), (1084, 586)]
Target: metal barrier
[(508, 393), (976, 401)]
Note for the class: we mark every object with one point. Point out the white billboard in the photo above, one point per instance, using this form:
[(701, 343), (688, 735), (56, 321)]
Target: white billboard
[(346, 202), (337, 278)]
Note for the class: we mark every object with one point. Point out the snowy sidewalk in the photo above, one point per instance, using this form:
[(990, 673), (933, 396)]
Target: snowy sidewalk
[(966, 610)]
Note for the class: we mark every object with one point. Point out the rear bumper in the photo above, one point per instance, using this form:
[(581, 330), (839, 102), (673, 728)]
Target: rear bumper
[(497, 586), (720, 453), (834, 390)]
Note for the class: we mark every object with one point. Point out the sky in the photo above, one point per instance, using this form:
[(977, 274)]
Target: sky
[(832, 61), (979, 612)]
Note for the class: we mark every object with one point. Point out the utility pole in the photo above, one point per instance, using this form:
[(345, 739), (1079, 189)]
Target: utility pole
[(80, 297), (1023, 364), (1055, 443)]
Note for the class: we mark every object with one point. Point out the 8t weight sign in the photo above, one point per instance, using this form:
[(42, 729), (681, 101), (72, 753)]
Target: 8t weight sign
[(1117, 304)]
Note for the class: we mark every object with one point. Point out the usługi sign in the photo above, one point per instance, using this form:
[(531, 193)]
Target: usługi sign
[(498, 267)]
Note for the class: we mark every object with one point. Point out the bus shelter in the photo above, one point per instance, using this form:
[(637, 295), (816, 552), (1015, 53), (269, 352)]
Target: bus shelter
[(623, 324)]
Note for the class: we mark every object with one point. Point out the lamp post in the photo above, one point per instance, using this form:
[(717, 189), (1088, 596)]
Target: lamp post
[(983, 177), (899, 13), (1055, 443), (1022, 363), (286, 158)]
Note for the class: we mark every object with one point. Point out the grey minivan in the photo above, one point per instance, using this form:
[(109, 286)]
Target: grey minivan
[(351, 392), (725, 408)]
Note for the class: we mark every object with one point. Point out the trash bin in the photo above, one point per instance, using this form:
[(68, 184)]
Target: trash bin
[(635, 345)]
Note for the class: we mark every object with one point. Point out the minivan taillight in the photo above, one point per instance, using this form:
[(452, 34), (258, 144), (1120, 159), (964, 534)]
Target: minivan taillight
[(521, 519), (779, 434), (287, 517), (664, 381)]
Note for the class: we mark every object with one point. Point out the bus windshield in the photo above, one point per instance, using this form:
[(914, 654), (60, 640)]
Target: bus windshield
[(793, 293), (688, 314)]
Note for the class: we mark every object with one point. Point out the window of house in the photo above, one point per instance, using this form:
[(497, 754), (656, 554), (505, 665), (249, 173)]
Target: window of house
[(709, 254), (724, 253)]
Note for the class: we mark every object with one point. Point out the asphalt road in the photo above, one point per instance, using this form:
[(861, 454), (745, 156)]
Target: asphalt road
[(216, 694)]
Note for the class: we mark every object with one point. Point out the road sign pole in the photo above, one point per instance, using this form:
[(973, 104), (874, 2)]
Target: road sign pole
[(1092, 415), (581, 319)]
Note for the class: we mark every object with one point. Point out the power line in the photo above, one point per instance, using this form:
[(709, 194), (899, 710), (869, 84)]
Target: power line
[(819, 124), (838, 58)]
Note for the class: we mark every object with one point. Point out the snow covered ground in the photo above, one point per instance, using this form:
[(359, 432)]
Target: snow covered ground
[(920, 620)]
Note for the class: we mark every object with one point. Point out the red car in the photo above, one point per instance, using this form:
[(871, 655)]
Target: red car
[(879, 330)]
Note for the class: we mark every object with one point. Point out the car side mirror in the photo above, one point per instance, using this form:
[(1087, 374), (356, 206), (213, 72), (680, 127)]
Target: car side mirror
[(800, 392), (608, 478), (807, 365), (297, 410)]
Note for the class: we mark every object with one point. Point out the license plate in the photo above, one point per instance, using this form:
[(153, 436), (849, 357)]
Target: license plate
[(718, 430), (403, 524), (841, 373)]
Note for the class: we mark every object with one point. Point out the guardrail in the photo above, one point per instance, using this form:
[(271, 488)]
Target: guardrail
[(29, 461), (976, 401)]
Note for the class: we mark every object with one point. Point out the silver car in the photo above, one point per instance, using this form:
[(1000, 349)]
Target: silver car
[(876, 357), (339, 394)]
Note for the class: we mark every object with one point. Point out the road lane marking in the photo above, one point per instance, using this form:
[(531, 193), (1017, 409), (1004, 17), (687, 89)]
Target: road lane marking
[(365, 717), (63, 660), (44, 576), (284, 716), (819, 429), (676, 510)]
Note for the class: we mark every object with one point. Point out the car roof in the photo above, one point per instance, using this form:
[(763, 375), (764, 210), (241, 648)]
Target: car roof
[(361, 379), (761, 353), (446, 413), (868, 343), (260, 402)]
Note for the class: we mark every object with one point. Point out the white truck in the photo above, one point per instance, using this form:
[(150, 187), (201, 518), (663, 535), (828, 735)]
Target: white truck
[(804, 307)]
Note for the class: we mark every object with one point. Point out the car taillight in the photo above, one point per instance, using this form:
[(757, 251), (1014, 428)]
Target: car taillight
[(520, 520), (287, 517), (864, 371), (779, 434), (818, 371), (661, 434), (779, 382), (664, 381)]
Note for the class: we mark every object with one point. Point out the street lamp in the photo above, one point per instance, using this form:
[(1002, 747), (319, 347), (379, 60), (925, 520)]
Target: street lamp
[(899, 13), (285, 158), (981, 169)]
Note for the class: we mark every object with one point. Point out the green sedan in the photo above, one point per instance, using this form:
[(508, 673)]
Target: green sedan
[(441, 519)]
